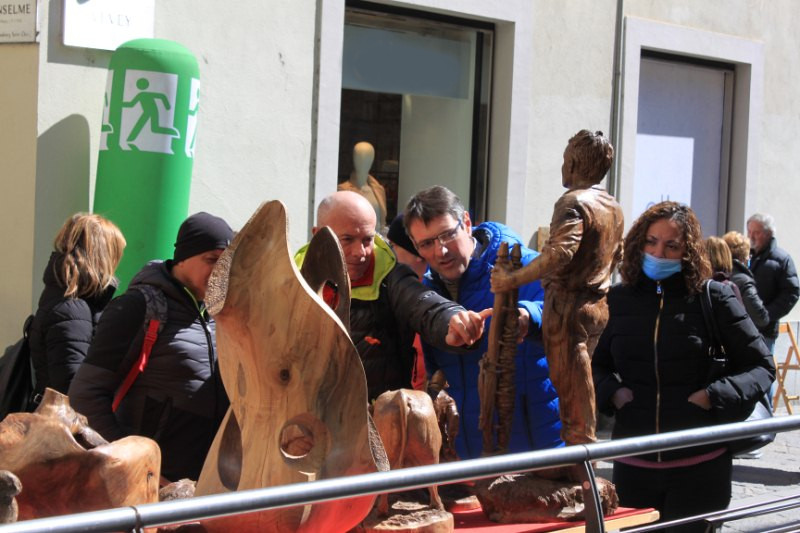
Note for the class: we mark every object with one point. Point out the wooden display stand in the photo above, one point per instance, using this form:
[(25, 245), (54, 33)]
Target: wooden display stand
[(296, 385), (781, 369), (476, 522)]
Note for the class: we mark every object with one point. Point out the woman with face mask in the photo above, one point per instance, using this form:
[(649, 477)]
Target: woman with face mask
[(652, 368)]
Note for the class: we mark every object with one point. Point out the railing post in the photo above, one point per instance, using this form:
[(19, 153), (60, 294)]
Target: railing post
[(592, 507)]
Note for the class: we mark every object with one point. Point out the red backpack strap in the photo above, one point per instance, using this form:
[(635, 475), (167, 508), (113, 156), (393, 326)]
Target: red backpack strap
[(138, 367)]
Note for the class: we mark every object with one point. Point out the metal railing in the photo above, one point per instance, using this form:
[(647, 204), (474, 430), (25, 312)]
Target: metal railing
[(135, 518)]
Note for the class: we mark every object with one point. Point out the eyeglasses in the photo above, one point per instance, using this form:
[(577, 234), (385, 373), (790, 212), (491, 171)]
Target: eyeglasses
[(444, 237)]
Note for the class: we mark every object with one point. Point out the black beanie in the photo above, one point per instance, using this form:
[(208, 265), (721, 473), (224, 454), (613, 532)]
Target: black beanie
[(201, 233), (398, 236)]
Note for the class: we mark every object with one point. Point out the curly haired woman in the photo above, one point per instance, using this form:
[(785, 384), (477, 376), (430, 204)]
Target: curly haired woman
[(652, 367)]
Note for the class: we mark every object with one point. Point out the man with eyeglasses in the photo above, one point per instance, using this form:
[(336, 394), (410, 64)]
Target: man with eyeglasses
[(388, 304), (461, 259)]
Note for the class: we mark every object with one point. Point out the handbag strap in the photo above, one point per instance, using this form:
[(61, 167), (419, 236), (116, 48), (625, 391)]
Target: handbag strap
[(708, 316)]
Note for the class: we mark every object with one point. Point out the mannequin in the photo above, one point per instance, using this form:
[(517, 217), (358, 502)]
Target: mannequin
[(362, 182)]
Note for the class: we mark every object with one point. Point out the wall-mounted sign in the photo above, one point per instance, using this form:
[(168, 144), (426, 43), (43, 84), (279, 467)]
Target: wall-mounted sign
[(18, 21), (106, 24)]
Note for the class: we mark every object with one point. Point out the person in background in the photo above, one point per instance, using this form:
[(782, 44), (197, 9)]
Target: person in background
[(774, 273), (78, 284), (178, 400), (461, 259), (719, 255), (652, 369), (406, 253), (739, 246)]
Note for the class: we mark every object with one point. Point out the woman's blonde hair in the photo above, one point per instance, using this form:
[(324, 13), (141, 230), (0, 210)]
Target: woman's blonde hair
[(739, 245), (91, 247), (719, 254)]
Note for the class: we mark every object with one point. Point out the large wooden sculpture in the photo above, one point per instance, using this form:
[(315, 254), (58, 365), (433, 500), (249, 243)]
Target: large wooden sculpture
[(297, 388), (575, 267), (496, 378), (66, 467)]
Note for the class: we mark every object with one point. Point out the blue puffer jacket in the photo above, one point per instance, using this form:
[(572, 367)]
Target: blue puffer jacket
[(536, 421)]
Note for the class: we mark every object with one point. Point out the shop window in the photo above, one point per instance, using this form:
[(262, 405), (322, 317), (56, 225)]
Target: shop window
[(416, 87)]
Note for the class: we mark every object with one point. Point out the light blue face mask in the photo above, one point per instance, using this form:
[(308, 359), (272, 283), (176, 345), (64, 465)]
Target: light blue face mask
[(657, 268)]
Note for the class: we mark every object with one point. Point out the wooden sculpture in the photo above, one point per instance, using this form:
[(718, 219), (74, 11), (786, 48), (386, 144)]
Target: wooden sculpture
[(66, 467), (446, 414), (575, 267), (407, 424), (321, 272), (496, 378), (10, 486), (296, 385)]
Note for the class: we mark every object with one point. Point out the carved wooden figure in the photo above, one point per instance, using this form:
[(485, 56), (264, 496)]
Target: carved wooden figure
[(496, 378), (575, 266), (407, 424), (297, 388), (65, 467)]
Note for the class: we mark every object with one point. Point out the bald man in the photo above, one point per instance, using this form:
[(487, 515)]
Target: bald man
[(388, 303)]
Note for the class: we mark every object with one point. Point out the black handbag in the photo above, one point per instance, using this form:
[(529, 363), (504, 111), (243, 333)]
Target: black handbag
[(719, 367)]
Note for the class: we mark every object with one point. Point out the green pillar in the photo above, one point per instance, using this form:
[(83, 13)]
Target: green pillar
[(144, 169)]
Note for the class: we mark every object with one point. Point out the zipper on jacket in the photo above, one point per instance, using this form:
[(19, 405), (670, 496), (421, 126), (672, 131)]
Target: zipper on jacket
[(660, 292)]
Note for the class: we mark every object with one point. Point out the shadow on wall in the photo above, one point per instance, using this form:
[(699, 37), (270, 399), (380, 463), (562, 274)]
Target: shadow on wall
[(62, 186), (58, 53)]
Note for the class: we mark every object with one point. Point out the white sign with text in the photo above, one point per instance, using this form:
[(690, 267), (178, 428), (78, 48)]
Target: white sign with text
[(106, 24), (18, 22)]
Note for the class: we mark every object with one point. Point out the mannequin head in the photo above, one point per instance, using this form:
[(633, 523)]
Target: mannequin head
[(363, 156)]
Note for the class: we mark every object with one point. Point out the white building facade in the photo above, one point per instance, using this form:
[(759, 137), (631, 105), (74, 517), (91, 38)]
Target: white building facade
[(698, 98)]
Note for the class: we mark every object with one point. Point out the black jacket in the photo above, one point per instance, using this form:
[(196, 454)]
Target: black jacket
[(62, 330), (178, 400), (743, 279), (656, 344), (776, 281), (383, 330)]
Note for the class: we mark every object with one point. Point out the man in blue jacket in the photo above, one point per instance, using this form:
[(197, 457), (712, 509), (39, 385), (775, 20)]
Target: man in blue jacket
[(461, 259)]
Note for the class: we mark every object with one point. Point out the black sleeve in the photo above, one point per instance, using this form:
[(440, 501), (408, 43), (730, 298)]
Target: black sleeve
[(788, 290), (422, 308), (93, 388), (752, 302), (751, 367), (604, 373), (66, 342)]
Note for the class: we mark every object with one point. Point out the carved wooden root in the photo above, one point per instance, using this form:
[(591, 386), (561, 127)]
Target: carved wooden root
[(496, 378), (407, 517), (65, 467), (407, 424), (10, 486), (297, 388), (524, 498)]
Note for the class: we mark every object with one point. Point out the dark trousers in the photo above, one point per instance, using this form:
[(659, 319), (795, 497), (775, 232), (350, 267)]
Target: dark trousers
[(677, 492)]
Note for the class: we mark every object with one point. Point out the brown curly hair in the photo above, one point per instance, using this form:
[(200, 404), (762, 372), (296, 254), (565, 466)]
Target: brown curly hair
[(695, 265)]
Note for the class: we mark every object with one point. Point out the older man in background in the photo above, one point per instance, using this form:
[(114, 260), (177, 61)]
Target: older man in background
[(774, 273)]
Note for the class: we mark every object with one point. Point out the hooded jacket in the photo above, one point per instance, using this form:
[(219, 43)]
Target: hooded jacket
[(62, 330), (178, 400), (536, 423), (656, 343)]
